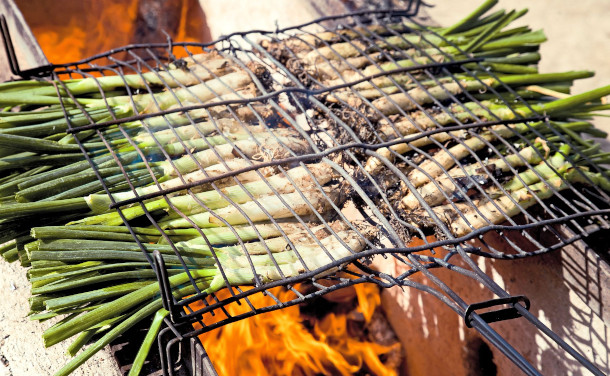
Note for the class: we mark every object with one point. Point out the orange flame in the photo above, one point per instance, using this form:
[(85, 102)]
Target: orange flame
[(69, 30), (279, 342)]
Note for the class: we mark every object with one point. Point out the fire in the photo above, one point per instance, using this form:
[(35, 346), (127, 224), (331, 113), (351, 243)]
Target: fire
[(69, 30), (416, 242), (289, 342)]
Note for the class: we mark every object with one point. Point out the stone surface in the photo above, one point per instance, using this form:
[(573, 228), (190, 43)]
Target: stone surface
[(22, 352), (564, 287)]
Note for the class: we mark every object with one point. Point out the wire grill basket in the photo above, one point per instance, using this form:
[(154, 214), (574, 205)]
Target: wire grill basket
[(337, 126)]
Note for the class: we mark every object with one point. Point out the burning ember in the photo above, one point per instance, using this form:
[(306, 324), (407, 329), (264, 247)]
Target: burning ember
[(69, 30), (347, 336)]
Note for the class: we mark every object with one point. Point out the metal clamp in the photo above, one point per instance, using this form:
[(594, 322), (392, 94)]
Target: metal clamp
[(497, 315)]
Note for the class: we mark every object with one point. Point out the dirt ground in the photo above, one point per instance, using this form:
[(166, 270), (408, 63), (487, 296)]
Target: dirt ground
[(579, 35)]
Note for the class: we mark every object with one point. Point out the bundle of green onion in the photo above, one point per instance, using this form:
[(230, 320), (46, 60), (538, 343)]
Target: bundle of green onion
[(504, 85), (85, 265), (43, 171), (92, 270), (348, 55), (98, 277)]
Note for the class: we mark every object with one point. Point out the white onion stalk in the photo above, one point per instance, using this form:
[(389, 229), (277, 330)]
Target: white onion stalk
[(179, 119), (272, 148), (195, 94), (195, 144), (303, 179), (188, 131), (238, 271), (272, 204), (495, 211), (432, 195), (198, 68), (99, 202)]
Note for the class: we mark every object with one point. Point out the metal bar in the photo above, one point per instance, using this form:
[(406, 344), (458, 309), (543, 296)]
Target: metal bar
[(28, 45), (201, 364), (164, 285)]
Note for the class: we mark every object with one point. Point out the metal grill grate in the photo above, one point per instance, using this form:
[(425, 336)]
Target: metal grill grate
[(336, 125)]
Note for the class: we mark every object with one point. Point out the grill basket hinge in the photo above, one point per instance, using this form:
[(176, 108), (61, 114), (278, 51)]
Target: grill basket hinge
[(499, 314)]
